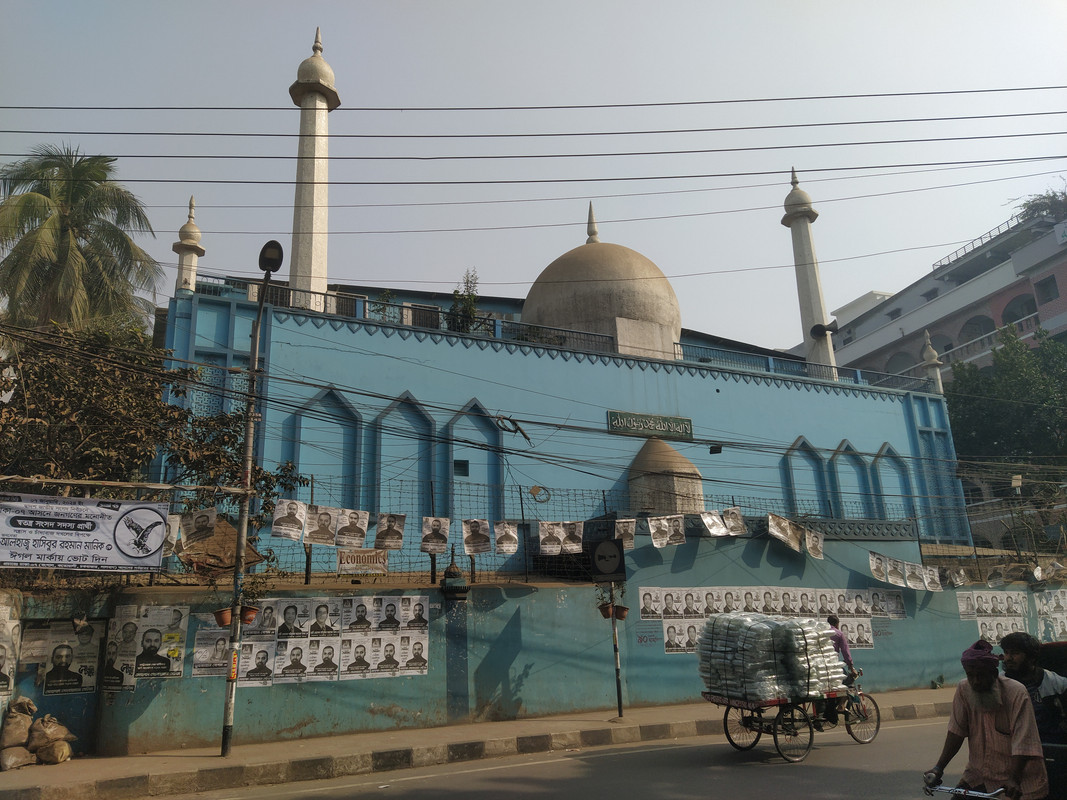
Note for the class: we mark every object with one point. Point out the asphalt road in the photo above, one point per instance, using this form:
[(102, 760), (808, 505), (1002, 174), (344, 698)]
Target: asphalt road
[(701, 767)]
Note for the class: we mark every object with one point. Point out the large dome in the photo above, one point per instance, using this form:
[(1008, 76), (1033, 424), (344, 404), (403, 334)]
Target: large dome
[(593, 285)]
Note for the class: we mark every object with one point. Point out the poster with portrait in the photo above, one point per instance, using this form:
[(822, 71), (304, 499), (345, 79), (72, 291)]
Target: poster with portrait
[(122, 633), (894, 599), (672, 636), (931, 579), (550, 535), (731, 599), (413, 614), (161, 633), (383, 650), (296, 617), (353, 664), (858, 631), (672, 608), (476, 537), (784, 531), (813, 541), (965, 603), (878, 566), (572, 536), (790, 603), (352, 528), (74, 656), (322, 658), (807, 604), (651, 603), (676, 528), (384, 613), (624, 529), (325, 618), (913, 576), (414, 648), (434, 535), (290, 661), (659, 530), (211, 652), (389, 535), (355, 617), (895, 571), (771, 602), (714, 524), (197, 526), (507, 537), (321, 525), (10, 639), (735, 521), (170, 541), (264, 628), (289, 516), (255, 667)]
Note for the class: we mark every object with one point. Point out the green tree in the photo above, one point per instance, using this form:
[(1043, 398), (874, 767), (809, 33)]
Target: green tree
[(463, 314), (1014, 413), (1051, 203), (92, 404), (65, 241)]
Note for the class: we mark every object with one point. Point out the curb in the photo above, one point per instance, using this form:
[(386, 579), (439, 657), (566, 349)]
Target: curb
[(225, 776)]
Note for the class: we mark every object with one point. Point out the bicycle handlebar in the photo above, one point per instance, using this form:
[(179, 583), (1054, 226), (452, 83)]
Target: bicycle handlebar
[(957, 792)]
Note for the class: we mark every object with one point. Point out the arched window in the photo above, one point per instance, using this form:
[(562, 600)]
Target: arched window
[(975, 328), (805, 478), (900, 362), (941, 343), (1022, 306)]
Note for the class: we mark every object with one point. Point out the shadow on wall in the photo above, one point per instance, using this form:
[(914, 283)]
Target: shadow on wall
[(497, 691)]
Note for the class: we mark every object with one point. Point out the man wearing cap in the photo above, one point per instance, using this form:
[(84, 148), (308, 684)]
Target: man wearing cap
[(1048, 690), (994, 715)]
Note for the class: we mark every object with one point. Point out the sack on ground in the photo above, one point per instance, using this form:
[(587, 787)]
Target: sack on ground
[(15, 757), (54, 753), (46, 730), (16, 730)]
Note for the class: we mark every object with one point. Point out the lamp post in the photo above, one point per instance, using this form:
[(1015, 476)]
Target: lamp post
[(270, 260)]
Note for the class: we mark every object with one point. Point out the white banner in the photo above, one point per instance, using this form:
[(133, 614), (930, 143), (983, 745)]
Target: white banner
[(81, 534)]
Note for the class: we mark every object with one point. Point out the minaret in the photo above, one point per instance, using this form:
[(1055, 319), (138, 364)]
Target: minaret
[(189, 250), (818, 346), (314, 92), (590, 227), (932, 364)]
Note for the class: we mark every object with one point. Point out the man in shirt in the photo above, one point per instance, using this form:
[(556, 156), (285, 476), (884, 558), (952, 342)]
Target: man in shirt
[(840, 643), (1048, 690), (995, 716)]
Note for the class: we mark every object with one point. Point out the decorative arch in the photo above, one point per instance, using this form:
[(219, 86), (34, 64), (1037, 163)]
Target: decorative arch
[(804, 476), (323, 439), (474, 437), (893, 486), (941, 343), (976, 327), (404, 464), (900, 362), (1022, 305), (851, 483)]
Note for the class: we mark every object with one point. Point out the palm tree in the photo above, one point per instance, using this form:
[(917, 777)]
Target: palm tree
[(65, 241)]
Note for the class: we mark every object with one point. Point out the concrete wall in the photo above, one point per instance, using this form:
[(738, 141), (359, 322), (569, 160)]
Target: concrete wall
[(510, 651)]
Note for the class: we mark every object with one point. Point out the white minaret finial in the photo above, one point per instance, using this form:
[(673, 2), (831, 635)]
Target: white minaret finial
[(799, 215), (188, 249), (316, 96), (932, 364), (590, 227)]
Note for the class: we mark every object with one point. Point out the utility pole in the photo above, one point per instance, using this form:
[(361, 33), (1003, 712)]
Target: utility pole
[(270, 260)]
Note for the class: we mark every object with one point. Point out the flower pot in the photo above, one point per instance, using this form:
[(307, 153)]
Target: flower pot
[(621, 612), (248, 614), (223, 616), (605, 610)]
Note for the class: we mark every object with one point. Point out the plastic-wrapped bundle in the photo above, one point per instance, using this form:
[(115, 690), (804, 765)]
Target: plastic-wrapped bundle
[(759, 658)]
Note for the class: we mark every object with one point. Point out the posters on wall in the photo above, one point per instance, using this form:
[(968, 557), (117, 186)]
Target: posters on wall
[(903, 573), (996, 614), (211, 652), (10, 641), (289, 516), (389, 534), (682, 611), (624, 529), (1052, 615), (73, 656), (435, 535), (321, 525), (352, 528), (507, 537), (476, 536)]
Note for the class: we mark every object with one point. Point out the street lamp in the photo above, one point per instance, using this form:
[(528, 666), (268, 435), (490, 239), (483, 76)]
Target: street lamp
[(270, 260)]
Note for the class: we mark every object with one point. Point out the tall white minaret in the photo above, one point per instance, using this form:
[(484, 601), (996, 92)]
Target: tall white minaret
[(314, 92), (818, 346), (189, 250)]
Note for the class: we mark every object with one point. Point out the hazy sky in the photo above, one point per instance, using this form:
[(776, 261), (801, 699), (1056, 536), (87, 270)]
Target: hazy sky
[(702, 202)]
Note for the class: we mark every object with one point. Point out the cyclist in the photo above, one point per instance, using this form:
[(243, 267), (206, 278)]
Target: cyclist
[(829, 711)]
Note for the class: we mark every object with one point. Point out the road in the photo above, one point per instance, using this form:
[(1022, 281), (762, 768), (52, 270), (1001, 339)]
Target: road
[(701, 767)]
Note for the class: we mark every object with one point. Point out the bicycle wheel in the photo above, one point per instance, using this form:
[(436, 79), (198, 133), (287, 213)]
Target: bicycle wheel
[(864, 719), (792, 733), (742, 727)]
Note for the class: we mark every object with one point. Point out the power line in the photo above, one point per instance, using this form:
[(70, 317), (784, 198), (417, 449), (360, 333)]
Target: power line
[(664, 104)]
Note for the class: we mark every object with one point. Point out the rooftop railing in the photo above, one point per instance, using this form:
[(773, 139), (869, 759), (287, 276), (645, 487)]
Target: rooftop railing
[(989, 236)]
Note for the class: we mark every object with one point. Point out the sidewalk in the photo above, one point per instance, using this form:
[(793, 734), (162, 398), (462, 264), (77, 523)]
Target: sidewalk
[(187, 771)]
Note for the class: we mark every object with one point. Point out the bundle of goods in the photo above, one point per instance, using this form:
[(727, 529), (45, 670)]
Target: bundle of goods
[(25, 741), (757, 658)]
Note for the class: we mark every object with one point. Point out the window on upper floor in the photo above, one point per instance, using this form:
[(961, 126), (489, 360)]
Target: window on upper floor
[(931, 294), (1046, 290), (893, 313)]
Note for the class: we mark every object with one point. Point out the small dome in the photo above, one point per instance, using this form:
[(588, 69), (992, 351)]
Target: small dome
[(591, 286), (315, 75), (656, 457), (798, 203)]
